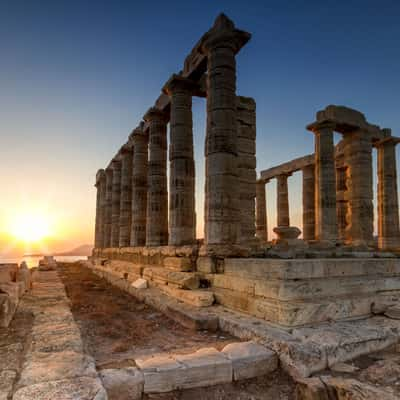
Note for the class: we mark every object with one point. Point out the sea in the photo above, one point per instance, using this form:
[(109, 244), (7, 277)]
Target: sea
[(34, 261)]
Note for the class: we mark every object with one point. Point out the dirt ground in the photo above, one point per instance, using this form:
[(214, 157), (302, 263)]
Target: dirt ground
[(116, 328)]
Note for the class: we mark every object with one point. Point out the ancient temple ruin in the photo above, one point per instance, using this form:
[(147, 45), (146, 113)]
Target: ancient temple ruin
[(331, 269)]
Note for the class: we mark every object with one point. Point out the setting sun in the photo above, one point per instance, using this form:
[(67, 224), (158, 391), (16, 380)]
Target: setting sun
[(30, 227)]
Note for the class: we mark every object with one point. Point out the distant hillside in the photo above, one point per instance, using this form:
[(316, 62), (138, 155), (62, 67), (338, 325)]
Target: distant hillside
[(83, 250)]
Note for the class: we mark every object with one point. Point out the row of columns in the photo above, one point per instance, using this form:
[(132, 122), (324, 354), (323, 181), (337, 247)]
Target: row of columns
[(282, 202), (338, 191), (132, 208)]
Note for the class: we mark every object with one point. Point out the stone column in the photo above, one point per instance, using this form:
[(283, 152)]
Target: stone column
[(283, 201), (341, 191), (125, 217), (182, 170), (261, 213), (115, 203), (108, 207), (221, 44), (325, 186), (309, 202), (388, 206), (358, 158), (139, 186), (246, 139), (99, 230), (157, 194)]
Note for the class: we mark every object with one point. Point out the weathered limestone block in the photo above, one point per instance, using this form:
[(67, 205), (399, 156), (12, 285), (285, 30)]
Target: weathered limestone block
[(250, 359), (24, 275), (205, 367), (140, 284), (139, 186), (178, 263), (197, 298), (161, 374), (206, 265), (123, 384), (9, 297), (67, 389)]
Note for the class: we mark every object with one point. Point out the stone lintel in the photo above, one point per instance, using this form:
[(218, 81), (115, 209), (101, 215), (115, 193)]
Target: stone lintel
[(287, 168), (154, 113), (180, 83), (388, 139)]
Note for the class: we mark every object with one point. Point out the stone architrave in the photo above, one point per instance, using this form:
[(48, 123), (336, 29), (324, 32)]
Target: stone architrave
[(99, 224), (182, 220), (261, 213), (246, 139), (139, 186), (360, 211), (221, 44), (125, 217), (282, 202), (388, 203), (157, 194), (108, 207), (309, 202), (325, 182), (115, 203)]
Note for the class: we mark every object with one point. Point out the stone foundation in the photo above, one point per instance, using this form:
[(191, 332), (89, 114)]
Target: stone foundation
[(288, 293)]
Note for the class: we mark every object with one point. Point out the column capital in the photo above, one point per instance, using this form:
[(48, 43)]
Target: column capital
[(177, 83), (320, 127), (126, 148), (224, 34), (100, 175), (284, 175), (155, 114), (137, 133)]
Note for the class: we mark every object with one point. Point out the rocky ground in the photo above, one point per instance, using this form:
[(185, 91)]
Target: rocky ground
[(116, 328)]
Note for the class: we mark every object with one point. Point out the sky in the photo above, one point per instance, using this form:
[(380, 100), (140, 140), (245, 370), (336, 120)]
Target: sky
[(77, 76)]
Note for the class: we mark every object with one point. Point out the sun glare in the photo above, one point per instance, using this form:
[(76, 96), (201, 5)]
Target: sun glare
[(30, 228)]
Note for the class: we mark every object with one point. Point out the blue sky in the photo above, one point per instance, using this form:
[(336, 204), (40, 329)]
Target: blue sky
[(76, 77)]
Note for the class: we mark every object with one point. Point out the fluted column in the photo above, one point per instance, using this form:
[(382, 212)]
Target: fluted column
[(139, 186), (222, 188), (358, 158), (125, 217), (99, 230), (182, 169), (325, 182), (115, 203), (388, 204), (282, 200), (309, 202), (157, 194), (261, 212), (108, 207)]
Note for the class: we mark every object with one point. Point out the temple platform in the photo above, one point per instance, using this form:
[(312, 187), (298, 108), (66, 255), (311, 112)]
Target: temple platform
[(300, 292), (287, 293)]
